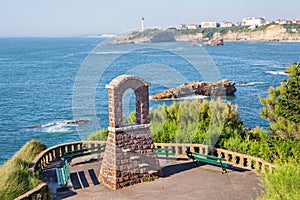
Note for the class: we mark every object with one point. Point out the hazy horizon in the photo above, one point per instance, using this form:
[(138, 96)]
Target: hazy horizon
[(35, 18)]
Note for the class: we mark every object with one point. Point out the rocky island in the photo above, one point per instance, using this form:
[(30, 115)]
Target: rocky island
[(219, 88)]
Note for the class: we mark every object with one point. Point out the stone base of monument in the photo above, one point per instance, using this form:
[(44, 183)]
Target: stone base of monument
[(129, 157)]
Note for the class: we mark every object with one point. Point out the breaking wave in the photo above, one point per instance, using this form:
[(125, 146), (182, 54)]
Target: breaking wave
[(276, 72), (58, 127)]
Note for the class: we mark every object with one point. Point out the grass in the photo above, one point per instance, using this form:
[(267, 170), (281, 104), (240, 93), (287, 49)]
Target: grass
[(283, 183), (15, 179)]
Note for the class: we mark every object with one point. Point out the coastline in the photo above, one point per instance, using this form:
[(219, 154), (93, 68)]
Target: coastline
[(270, 33)]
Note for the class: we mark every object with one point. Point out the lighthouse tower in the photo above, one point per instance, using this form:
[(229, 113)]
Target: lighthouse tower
[(143, 24)]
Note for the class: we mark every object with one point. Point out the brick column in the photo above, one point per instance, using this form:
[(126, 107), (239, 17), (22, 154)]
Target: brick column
[(129, 155)]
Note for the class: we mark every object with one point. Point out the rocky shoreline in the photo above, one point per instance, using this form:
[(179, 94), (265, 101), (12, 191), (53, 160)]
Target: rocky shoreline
[(219, 88), (273, 33)]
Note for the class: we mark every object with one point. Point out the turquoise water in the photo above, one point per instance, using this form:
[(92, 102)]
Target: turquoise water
[(37, 78)]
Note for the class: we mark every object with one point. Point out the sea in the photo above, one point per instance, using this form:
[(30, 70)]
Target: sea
[(46, 84)]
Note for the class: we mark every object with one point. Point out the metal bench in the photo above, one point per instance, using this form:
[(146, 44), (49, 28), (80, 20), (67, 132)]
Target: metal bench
[(63, 174), (209, 159)]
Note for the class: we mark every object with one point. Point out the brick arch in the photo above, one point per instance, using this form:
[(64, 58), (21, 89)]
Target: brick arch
[(116, 89)]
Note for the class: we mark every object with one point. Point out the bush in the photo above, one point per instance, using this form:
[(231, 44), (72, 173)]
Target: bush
[(271, 148), (15, 179), (99, 135), (195, 122), (283, 183)]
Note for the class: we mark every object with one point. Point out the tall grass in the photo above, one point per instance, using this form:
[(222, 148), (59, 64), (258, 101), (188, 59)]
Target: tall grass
[(283, 183), (14, 176)]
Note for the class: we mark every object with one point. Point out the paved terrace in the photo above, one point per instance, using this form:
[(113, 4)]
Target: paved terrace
[(181, 180)]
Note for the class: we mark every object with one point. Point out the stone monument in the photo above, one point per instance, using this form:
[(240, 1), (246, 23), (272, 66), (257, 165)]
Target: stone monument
[(129, 155)]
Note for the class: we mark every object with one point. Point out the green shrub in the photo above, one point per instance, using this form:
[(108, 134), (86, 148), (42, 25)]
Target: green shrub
[(15, 179), (99, 135), (195, 122), (283, 183)]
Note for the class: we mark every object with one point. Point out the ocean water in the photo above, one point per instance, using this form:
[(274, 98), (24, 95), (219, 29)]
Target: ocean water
[(45, 83)]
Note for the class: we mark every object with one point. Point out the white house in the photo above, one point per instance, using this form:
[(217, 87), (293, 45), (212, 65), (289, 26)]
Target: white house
[(226, 24), (211, 24), (254, 22), (182, 26), (193, 26)]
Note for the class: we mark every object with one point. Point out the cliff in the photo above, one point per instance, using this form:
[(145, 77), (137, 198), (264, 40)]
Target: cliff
[(272, 32), (219, 88)]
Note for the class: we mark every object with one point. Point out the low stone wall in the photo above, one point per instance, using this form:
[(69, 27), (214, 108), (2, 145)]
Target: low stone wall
[(245, 161), (39, 192), (58, 151), (234, 158)]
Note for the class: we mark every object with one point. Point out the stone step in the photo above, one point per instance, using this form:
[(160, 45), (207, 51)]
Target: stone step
[(126, 150), (134, 157), (152, 171), (143, 165)]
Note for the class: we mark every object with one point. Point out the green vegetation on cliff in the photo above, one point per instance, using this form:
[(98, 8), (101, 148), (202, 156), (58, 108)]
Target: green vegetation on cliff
[(15, 179), (204, 33), (282, 107)]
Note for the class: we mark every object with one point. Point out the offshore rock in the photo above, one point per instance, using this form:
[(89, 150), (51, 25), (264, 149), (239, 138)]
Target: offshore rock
[(214, 42), (219, 88)]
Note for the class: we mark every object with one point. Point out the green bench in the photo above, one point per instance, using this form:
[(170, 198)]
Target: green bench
[(209, 159), (165, 151), (83, 152), (63, 174)]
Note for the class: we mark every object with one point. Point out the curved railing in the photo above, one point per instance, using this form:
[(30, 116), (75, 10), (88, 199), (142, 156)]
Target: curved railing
[(58, 151), (236, 159), (39, 192), (245, 161)]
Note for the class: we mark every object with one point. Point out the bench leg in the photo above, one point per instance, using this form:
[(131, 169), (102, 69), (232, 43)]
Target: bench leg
[(224, 170)]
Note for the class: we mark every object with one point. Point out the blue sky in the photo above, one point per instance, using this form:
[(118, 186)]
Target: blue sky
[(79, 17)]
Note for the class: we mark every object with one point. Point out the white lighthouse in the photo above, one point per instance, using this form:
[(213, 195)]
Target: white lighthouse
[(143, 24)]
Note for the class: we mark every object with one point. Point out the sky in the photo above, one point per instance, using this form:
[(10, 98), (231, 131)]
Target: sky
[(84, 17)]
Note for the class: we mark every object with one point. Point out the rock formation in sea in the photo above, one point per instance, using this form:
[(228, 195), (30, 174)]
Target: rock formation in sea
[(214, 42), (219, 88)]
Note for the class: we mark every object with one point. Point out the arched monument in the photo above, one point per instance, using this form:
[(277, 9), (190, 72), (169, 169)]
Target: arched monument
[(129, 155)]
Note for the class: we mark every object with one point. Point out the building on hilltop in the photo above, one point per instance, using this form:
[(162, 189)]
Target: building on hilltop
[(226, 24), (182, 26), (254, 22), (209, 24), (238, 24), (193, 26)]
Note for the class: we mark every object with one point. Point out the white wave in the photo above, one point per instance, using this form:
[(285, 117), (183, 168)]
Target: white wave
[(110, 52), (68, 55), (192, 97), (250, 83), (276, 72), (4, 59), (58, 128)]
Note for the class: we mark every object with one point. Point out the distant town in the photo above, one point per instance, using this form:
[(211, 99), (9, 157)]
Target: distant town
[(251, 22)]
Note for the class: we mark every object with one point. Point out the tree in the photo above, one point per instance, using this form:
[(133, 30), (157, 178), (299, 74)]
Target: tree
[(282, 107)]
